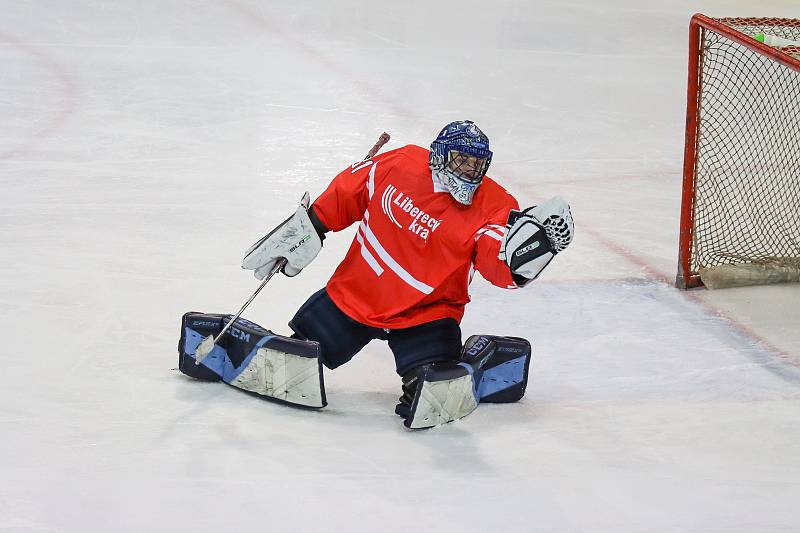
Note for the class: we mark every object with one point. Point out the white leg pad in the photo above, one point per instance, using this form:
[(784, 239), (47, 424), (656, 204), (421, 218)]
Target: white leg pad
[(283, 376), (440, 402)]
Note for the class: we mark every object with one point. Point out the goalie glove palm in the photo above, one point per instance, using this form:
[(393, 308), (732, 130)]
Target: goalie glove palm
[(295, 238), (535, 236)]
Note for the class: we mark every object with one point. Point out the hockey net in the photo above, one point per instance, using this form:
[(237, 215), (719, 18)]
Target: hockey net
[(740, 215)]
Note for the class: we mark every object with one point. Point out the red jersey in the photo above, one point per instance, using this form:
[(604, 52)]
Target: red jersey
[(416, 248)]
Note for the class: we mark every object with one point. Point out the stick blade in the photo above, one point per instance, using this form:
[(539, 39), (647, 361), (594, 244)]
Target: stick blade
[(203, 349)]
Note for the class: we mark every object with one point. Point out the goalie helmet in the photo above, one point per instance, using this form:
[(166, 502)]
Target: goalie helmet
[(459, 159)]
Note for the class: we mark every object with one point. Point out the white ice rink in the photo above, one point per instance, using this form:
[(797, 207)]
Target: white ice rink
[(145, 144)]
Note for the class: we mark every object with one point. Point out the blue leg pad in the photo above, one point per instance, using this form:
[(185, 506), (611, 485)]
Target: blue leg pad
[(254, 359), (499, 367)]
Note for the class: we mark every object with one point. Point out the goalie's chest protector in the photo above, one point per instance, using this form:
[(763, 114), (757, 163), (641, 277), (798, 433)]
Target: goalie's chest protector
[(411, 259)]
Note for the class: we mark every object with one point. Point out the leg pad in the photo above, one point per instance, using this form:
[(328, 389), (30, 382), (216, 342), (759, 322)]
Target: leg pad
[(499, 366), (492, 369), (254, 359), (444, 393)]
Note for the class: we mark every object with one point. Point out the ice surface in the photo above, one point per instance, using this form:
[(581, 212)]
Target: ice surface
[(145, 145)]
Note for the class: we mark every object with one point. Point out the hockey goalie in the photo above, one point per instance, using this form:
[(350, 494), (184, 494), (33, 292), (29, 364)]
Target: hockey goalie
[(427, 219)]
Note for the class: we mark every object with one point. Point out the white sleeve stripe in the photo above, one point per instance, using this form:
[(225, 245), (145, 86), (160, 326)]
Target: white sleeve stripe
[(502, 230), (368, 257), (358, 165), (371, 180), (393, 265), (489, 233)]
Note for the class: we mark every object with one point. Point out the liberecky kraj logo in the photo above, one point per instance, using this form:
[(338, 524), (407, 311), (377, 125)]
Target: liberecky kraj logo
[(421, 225)]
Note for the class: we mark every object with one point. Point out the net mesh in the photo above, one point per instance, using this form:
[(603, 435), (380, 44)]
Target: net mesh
[(747, 183)]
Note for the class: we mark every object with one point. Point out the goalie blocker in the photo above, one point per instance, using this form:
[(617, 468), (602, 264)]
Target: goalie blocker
[(254, 359)]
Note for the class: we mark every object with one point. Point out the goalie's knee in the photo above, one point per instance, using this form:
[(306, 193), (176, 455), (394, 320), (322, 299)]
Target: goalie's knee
[(339, 336), (439, 340)]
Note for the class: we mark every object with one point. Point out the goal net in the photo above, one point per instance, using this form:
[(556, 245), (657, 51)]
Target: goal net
[(740, 215)]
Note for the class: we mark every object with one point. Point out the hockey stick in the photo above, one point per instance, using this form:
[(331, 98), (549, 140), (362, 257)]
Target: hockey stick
[(207, 345), (383, 139)]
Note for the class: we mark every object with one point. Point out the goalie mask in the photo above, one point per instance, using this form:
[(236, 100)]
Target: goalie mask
[(459, 159)]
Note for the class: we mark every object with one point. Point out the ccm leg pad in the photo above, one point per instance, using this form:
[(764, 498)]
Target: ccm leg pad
[(492, 369), (254, 359), (443, 392), (499, 366)]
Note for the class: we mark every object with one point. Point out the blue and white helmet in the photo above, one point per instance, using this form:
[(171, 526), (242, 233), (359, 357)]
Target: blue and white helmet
[(459, 159)]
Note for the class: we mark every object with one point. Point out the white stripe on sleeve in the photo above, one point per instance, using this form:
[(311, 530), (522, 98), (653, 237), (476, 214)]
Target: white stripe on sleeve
[(371, 181), (489, 232)]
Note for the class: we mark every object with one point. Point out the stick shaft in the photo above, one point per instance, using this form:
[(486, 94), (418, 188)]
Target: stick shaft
[(383, 139), (278, 265), (204, 348)]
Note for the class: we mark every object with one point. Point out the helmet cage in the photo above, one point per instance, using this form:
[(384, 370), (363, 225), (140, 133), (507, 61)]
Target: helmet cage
[(467, 167), (461, 175)]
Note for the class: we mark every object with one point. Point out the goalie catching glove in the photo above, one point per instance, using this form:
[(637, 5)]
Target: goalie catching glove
[(297, 239), (534, 237)]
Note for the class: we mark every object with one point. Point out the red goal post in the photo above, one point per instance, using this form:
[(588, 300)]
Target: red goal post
[(740, 210)]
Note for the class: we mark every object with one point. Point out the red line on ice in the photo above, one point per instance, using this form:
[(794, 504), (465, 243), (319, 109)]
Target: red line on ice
[(70, 92)]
